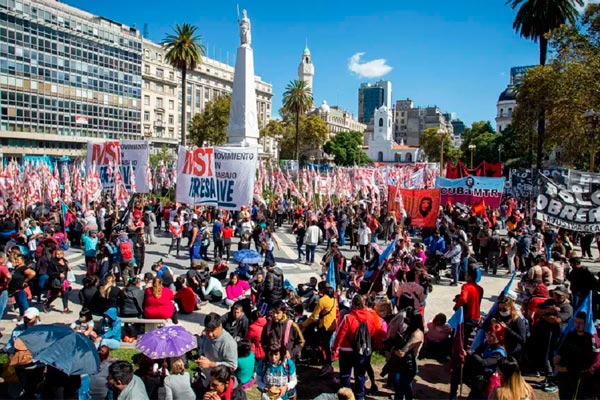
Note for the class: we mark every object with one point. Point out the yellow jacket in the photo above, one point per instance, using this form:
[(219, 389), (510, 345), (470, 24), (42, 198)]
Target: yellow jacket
[(325, 312)]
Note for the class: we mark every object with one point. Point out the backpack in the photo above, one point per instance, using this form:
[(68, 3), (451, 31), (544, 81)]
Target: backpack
[(125, 250), (362, 344), (146, 219)]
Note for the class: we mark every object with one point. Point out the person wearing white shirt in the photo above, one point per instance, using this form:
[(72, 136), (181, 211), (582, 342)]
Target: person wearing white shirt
[(311, 238), (212, 290), (364, 237)]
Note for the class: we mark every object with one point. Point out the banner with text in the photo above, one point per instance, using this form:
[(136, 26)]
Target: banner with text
[(196, 179), (422, 205), (125, 155), (578, 211), (583, 182), (235, 169), (471, 190)]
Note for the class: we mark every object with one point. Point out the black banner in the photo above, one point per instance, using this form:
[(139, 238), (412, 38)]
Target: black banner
[(521, 179), (568, 209)]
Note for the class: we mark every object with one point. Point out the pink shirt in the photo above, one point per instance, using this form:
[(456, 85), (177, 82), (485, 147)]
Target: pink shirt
[(438, 333), (237, 290)]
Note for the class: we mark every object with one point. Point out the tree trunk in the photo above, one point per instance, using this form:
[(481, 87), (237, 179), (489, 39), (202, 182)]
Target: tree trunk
[(542, 116), (297, 137), (183, 104)]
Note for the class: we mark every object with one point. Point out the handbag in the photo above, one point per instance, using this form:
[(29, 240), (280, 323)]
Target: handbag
[(56, 283)]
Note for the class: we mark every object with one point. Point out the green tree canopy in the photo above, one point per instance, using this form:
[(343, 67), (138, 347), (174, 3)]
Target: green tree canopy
[(274, 128), (346, 149), (431, 143), (312, 133), (210, 126), (297, 100), (164, 154)]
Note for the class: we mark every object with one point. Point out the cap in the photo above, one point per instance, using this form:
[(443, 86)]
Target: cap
[(561, 291), (194, 216), (511, 294), (31, 313)]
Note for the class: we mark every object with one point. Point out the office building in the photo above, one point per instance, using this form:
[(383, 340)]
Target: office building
[(411, 121), (66, 77), (337, 119), (507, 101), (371, 96)]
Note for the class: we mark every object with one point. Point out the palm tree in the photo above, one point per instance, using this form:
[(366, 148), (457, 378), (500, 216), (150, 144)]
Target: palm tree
[(534, 20), (184, 52), (297, 99)]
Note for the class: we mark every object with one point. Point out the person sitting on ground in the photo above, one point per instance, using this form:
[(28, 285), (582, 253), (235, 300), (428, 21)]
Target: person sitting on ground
[(256, 286), (236, 289), (85, 323), (109, 332), (220, 269), (122, 380), (235, 322), (88, 293), (178, 383), (438, 339), (211, 289), (107, 296), (185, 297), (164, 273), (158, 302)]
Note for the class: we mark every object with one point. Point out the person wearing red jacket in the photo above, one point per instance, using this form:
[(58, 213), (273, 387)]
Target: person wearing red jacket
[(254, 334), (344, 341)]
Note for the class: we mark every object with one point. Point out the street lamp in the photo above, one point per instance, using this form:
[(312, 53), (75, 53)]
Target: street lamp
[(472, 148), (500, 148), (442, 133), (592, 118)]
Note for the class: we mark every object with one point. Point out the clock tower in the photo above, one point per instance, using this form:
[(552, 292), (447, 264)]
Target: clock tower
[(306, 69)]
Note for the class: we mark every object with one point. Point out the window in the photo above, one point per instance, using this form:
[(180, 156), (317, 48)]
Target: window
[(171, 75), (146, 115), (146, 100), (381, 123), (159, 102), (160, 73), (146, 85), (171, 105), (408, 158), (380, 154), (510, 112), (171, 119), (146, 69), (502, 112)]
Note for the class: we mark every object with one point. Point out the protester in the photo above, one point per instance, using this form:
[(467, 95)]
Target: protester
[(122, 380), (178, 382), (158, 302), (512, 384)]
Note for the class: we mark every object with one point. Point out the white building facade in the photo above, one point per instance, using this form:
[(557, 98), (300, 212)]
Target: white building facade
[(381, 145)]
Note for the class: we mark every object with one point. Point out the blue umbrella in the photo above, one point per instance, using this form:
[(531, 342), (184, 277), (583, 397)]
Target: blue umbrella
[(247, 256), (62, 348)]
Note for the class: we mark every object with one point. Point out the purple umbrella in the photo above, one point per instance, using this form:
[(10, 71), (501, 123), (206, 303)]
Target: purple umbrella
[(166, 342)]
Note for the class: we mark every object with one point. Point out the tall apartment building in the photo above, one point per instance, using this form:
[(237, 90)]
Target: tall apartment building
[(161, 92), (371, 96), (66, 77), (411, 121)]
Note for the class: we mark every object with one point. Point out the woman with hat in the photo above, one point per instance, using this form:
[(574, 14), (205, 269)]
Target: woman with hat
[(514, 324)]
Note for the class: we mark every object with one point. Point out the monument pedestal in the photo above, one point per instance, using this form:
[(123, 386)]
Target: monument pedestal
[(243, 118)]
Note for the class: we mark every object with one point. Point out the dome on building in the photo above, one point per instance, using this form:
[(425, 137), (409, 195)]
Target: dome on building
[(508, 95), (306, 51), (324, 107)]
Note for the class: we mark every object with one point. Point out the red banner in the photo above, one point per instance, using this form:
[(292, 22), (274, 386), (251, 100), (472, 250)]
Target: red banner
[(422, 205)]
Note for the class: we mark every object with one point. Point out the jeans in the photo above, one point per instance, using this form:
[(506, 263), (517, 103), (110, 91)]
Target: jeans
[(454, 272), (342, 238), (348, 361), (310, 252), (548, 251), (22, 301), (3, 302), (403, 386), (41, 284), (112, 344), (373, 238), (218, 249), (299, 243)]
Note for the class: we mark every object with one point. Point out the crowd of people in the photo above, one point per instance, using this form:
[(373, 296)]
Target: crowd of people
[(354, 306)]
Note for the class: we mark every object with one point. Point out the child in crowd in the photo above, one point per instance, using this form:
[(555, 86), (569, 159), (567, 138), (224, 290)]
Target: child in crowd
[(438, 339), (85, 323), (245, 362)]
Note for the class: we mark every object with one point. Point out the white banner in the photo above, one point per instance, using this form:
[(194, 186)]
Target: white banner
[(196, 180), (235, 169), (124, 155)]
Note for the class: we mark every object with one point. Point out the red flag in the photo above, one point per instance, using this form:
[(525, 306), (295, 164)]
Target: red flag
[(451, 171), (462, 170)]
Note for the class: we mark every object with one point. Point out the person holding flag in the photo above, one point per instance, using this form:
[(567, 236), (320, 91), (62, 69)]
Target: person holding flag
[(470, 300)]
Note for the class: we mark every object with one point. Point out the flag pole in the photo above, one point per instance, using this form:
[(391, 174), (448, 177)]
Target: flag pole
[(461, 381)]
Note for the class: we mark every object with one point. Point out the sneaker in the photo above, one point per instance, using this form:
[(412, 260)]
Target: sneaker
[(67, 311), (549, 388), (46, 308), (453, 284), (326, 370)]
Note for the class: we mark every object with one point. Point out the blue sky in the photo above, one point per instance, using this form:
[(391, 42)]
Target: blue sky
[(454, 54)]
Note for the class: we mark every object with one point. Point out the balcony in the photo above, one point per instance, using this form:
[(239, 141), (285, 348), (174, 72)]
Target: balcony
[(158, 123)]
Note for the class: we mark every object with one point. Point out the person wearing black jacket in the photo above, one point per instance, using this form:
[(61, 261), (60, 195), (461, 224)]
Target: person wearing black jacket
[(235, 322), (131, 299), (582, 281), (273, 287), (57, 275), (515, 328)]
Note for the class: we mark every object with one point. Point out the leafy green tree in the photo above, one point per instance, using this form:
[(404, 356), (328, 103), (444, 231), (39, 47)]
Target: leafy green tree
[(210, 126), (535, 20), (184, 52), (346, 149), (297, 99), (164, 154), (312, 133), (431, 143), (274, 128)]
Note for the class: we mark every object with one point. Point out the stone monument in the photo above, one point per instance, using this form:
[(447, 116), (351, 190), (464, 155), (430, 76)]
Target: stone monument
[(243, 120)]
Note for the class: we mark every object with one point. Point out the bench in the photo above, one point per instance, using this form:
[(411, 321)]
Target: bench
[(149, 324)]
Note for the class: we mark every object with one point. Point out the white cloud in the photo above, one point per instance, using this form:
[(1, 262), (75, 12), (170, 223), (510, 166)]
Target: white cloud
[(368, 69)]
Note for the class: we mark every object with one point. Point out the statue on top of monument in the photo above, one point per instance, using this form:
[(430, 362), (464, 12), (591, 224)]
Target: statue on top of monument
[(245, 34)]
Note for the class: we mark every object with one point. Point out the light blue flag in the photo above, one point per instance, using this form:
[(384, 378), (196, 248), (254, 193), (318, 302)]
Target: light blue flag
[(331, 274), (387, 252), (457, 319), (480, 335)]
